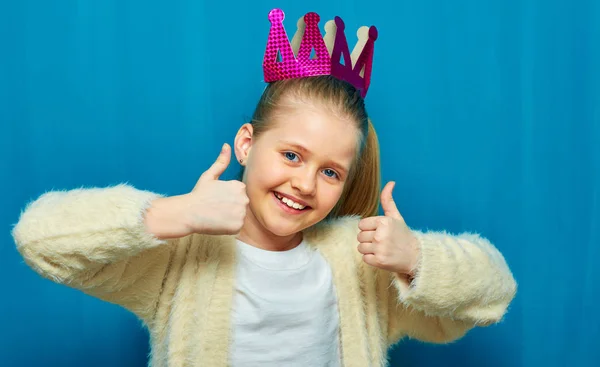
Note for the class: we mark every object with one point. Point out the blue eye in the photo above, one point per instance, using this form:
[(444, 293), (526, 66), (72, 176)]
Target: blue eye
[(330, 173), (290, 156)]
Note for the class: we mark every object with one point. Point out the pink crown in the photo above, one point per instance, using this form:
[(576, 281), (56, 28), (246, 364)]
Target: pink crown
[(311, 54)]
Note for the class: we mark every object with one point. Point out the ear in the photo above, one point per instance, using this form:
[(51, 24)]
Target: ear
[(243, 142)]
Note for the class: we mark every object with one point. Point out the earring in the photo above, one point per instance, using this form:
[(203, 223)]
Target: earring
[(241, 161)]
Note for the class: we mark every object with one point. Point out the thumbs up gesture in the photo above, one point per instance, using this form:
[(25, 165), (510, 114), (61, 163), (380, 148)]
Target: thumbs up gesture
[(215, 206), (212, 207), (386, 242)]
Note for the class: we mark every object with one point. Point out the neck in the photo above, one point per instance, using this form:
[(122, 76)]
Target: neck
[(254, 234)]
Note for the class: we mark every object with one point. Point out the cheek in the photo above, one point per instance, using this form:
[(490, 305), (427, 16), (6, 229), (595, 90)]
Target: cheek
[(330, 195), (264, 172)]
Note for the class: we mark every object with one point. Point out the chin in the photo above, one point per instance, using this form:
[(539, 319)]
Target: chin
[(286, 228)]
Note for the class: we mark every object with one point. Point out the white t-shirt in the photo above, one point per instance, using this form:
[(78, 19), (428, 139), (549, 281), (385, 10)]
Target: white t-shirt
[(285, 309)]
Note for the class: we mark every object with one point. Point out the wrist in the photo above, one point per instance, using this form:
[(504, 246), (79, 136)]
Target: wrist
[(166, 217), (415, 258), (406, 278), (414, 253)]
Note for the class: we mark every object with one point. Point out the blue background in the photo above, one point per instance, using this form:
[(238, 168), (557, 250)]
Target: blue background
[(489, 120)]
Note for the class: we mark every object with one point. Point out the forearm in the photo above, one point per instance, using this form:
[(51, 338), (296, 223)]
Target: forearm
[(65, 233), (459, 277)]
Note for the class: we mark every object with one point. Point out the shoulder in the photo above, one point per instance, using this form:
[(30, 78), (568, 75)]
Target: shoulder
[(206, 247), (337, 239), (337, 231)]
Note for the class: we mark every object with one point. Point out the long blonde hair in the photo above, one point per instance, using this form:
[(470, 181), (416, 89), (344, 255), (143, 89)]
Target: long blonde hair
[(361, 191)]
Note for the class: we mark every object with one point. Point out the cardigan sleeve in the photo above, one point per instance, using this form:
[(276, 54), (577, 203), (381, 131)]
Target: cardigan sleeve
[(460, 282), (95, 240)]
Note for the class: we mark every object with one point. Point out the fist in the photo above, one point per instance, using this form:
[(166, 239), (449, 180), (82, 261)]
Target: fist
[(385, 241), (214, 206)]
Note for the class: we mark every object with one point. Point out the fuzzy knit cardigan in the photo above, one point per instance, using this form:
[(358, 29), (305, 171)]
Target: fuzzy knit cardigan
[(95, 240)]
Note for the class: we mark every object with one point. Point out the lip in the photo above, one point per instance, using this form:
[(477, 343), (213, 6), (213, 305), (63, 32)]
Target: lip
[(286, 208), (292, 198)]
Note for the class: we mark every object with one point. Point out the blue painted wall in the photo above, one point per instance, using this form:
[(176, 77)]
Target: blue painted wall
[(489, 121)]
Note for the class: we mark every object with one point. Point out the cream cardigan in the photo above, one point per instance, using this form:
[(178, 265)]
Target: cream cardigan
[(95, 240)]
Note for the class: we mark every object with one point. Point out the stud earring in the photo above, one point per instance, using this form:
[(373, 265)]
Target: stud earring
[(241, 161)]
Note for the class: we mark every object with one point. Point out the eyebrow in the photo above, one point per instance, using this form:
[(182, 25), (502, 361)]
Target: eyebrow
[(304, 150)]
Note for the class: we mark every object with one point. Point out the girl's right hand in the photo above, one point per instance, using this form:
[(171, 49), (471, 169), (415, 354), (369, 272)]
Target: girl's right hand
[(217, 207), (213, 207)]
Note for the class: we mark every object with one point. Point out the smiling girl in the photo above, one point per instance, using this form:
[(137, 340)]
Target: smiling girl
[(291, 265)]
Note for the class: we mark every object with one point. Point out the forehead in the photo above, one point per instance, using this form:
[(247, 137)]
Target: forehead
[(317, 128)]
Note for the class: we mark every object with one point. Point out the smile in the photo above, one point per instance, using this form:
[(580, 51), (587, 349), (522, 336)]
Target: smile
[(290, 203)]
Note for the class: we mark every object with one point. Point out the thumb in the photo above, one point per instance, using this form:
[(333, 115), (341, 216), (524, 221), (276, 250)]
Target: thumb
[(387, 201), (216, 170)]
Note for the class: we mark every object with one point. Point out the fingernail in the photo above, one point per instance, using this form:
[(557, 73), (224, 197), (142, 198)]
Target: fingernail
[(223, 147)]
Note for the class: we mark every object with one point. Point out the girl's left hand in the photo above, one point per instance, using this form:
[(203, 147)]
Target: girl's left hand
[(386, 242)]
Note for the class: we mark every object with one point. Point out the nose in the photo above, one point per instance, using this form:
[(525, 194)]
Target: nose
[(305, 181)]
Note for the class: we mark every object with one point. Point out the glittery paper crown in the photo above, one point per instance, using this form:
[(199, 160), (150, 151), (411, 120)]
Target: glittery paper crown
[(311, 54)]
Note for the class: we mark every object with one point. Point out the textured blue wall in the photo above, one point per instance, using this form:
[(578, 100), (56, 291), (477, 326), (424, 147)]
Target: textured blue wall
[(489, 121)]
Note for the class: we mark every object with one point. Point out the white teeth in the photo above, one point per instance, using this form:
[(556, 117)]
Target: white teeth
[(290, 203)]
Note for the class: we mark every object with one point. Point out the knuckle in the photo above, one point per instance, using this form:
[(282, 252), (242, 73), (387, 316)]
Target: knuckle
[(381, 259)]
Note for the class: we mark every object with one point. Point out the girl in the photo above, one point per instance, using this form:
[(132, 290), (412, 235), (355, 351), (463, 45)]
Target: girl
[(289, 267)]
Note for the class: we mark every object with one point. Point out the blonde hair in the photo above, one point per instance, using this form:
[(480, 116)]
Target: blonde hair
[(362, 188)]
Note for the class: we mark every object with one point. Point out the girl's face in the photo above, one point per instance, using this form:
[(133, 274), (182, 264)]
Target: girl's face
[(296, 170)]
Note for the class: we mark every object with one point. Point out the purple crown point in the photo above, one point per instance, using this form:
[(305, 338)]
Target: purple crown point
[(373, 33), (276, 15), (339, 23)]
